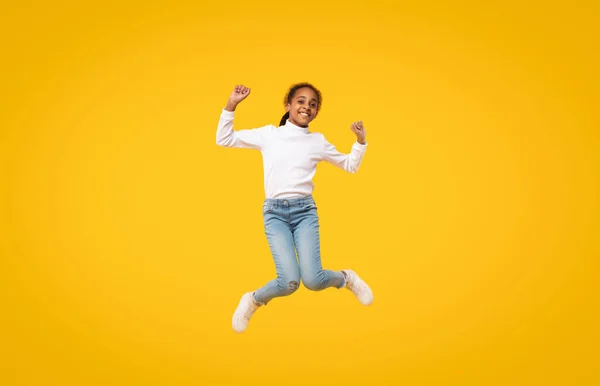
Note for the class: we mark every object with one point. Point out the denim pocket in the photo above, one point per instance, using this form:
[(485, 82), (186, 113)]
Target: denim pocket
[(310, 206)]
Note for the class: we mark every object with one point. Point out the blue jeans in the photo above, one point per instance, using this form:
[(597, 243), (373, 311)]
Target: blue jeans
[(292, 226)]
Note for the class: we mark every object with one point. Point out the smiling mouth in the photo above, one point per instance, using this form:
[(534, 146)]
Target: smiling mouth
[(304, 114)]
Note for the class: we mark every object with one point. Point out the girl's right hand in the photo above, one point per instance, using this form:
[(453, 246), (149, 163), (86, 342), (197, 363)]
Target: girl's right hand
[(239, 93)]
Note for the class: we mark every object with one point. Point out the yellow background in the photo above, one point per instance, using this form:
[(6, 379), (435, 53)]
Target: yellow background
[(127, 236)]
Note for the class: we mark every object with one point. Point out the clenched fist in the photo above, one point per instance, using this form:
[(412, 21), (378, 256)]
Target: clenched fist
[(361, 134), (239, 93)]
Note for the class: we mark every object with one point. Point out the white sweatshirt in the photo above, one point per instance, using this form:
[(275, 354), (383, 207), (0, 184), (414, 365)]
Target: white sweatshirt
[(290, 154)]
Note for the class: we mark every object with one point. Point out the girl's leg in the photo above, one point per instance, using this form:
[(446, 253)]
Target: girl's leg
[(306, 236), (281, 243), (308, 245)]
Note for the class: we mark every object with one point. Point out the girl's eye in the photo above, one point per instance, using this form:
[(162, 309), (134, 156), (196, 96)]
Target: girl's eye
[(313, 105), (301, 101)]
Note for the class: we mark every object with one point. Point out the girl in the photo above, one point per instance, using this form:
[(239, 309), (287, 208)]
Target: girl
[(290, 156)]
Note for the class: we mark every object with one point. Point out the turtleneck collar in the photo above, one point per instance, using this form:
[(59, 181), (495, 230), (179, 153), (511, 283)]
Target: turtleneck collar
[(289, 125)]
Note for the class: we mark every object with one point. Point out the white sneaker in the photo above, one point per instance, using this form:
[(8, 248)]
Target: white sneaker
[(244, 312), (358, 287)]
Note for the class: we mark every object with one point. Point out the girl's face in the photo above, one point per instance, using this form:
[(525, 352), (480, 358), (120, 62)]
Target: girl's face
[(303, 107)]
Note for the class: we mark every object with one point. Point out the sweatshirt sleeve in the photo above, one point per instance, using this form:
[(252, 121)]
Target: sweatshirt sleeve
[(348, 162), (227, 137)]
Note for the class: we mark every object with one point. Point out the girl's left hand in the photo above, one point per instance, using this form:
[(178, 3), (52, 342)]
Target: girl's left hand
[(358, 129)]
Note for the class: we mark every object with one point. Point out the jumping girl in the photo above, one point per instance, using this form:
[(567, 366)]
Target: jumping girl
[(290, 155)]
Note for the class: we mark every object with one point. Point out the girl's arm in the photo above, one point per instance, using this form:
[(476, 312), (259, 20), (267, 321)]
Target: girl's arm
[(226, 136), (348, 162)]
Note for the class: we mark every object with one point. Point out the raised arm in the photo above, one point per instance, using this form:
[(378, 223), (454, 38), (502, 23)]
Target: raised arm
[(226, 136), (348, 162)]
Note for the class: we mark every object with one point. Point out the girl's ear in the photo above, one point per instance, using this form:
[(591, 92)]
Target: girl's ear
[(287, 108)]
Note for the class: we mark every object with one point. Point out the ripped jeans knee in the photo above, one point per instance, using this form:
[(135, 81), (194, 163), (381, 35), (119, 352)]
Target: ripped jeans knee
[(287, 287)]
